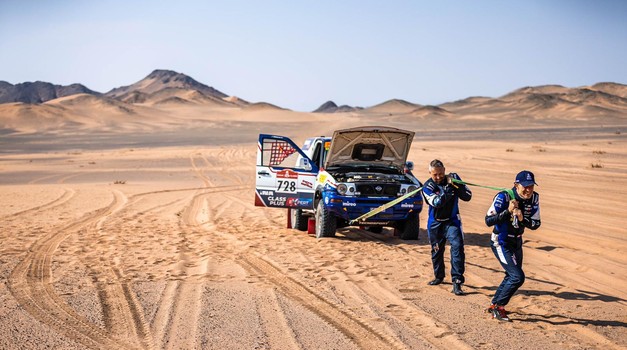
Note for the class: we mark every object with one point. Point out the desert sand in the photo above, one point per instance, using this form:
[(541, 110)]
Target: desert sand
[(135, 228)]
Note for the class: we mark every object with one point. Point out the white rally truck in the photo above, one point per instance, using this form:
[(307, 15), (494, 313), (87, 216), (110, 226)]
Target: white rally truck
[(336, 180)]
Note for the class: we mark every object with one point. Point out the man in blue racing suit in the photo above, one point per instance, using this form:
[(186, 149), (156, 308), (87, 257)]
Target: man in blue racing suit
[(510, 217), (445, 223)]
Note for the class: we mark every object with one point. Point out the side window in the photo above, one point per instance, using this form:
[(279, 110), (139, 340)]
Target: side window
[(278, 153), (316, 155)]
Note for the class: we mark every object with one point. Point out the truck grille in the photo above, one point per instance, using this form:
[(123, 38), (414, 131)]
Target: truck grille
[(378, 190)]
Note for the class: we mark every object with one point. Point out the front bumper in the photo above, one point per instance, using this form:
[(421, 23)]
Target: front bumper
[(352, 207)]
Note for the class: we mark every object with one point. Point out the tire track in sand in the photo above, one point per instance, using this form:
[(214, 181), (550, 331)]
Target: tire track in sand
[(65, 197), (32, 286), (174, 325), (173, 322), (123, 314), (348, 324)]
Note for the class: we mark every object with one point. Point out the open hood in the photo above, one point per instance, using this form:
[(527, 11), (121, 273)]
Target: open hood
[(370, 145)]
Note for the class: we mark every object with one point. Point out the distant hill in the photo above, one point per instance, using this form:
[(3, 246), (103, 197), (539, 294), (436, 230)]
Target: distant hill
[(263, 106), (394, 106), (331, 107), (160, 80), (39, 91), (550, 96), (430, 110), (159, 87), (616, 89)]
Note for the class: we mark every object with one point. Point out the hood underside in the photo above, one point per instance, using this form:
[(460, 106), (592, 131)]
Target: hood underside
[(372, 145)]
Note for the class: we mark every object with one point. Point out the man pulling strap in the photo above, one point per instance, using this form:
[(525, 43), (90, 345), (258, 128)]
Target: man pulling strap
[(510, 216), (444, 223)]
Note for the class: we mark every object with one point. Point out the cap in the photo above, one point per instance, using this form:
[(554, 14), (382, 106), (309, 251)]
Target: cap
[(525, 178)]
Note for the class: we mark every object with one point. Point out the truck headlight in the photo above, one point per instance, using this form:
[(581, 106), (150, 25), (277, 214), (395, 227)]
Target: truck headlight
[(341, 189), (411, 188)]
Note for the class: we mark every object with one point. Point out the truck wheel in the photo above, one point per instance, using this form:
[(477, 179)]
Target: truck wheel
[(326, 223), (299, 221), (410, 227)]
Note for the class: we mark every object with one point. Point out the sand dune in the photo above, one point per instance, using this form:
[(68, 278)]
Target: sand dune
[(393, 106), (147, 236)]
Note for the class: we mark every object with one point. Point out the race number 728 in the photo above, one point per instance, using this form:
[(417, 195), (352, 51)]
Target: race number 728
[(286, 186)]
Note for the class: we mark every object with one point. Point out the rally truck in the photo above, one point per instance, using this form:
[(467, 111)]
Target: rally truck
[(331, 182)]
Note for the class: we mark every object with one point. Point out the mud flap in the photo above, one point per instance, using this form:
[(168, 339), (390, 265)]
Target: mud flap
[(311, 226)]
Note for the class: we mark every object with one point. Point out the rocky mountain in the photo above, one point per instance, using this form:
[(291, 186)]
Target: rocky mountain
[(158, 88), (39, 91), (163, 79), (331, 107)]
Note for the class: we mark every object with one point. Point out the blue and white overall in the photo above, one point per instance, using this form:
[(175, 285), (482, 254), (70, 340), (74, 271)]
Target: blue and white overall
[(507, 240), (445, 224)]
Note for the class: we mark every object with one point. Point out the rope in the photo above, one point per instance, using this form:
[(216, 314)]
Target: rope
[(400, 199), (508, 190), (385, 206)]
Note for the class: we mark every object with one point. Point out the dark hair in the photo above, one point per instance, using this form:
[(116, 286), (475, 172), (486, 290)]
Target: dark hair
[(436, 163)]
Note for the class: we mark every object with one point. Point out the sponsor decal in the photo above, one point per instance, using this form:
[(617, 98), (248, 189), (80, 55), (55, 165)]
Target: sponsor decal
[(407, 205), (277, 201), (306, 184), (304, 202), (266, 193), (322, 178), (292, 202), (287, 174), (349, 204)]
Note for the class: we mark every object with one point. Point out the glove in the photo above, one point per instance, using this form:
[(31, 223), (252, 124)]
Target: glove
[(449, 190)]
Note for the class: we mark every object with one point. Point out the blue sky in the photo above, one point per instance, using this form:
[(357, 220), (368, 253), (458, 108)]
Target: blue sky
[(299, 54)]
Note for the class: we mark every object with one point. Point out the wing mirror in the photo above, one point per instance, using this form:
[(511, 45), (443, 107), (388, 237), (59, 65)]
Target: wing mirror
[(303, 163), (409, 166)]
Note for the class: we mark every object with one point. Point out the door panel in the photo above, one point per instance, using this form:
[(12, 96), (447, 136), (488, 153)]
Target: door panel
[(285, 175)]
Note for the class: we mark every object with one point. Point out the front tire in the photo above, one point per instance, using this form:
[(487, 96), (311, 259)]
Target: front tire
[(326, 223), (409, 228), (299, 221)]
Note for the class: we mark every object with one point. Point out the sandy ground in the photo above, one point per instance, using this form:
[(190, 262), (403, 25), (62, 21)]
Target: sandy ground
[(150, 240)]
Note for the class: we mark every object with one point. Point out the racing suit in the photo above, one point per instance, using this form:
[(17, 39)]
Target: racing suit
[(444, 224), (507, 240)]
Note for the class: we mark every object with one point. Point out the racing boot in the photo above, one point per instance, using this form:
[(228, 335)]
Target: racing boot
[(499, 313), (457, 288)]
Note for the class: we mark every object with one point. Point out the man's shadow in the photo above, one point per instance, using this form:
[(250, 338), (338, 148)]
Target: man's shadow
[(479, 239), (556, 320)]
